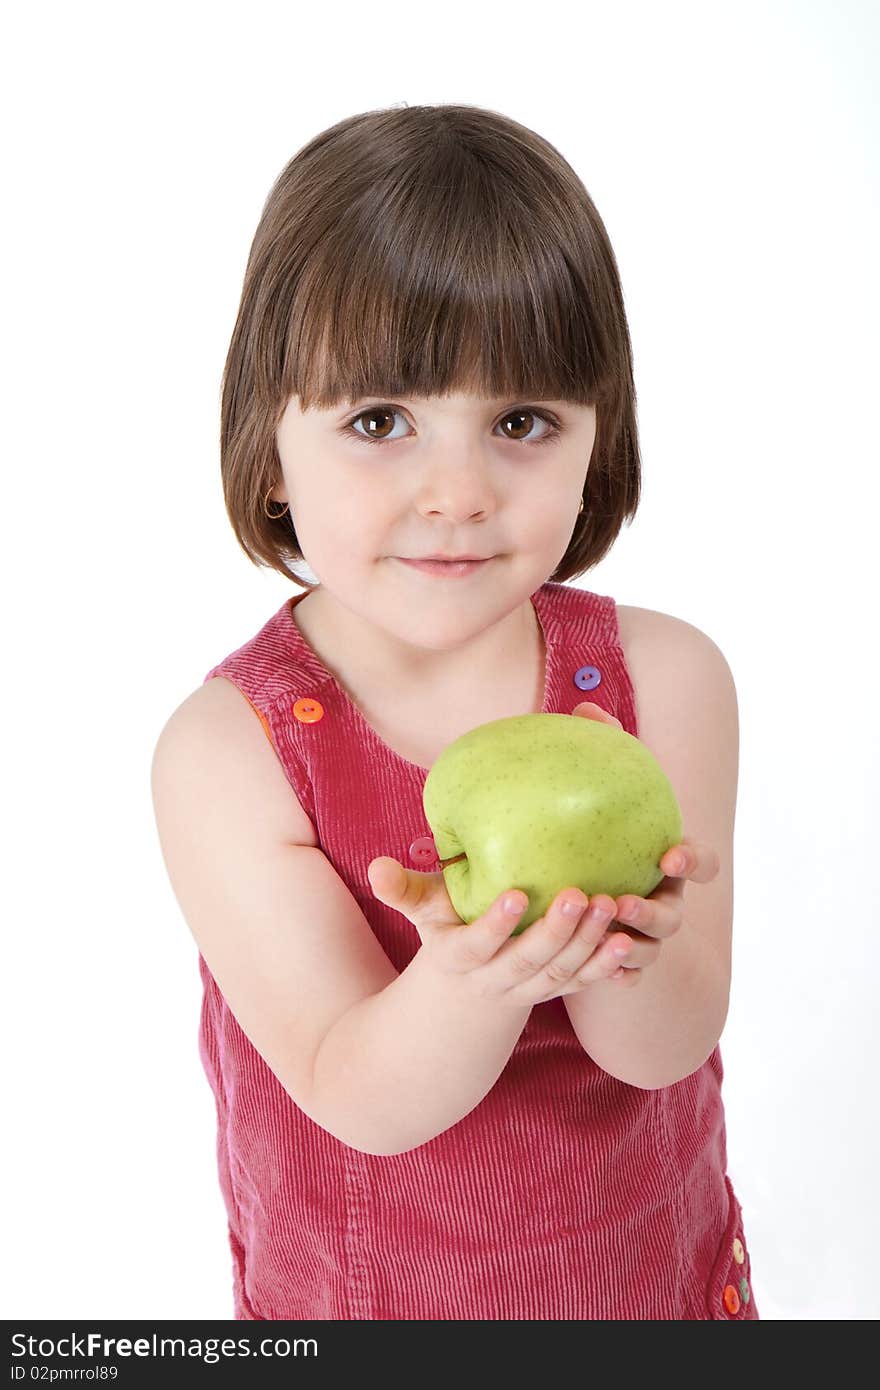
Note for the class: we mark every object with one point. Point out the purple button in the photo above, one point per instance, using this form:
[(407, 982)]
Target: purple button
[(587, 678), (423, 851)]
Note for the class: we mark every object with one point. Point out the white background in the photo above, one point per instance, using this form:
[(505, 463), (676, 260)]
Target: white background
[(731, 150)]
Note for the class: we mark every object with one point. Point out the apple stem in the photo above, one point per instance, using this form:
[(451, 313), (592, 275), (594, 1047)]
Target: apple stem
[(445, 862)]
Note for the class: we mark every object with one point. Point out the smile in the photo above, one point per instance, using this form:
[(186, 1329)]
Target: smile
[(446, 569)]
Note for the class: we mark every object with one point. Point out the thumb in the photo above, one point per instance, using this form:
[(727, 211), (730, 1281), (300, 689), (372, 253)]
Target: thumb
[(421, 897), (387, 879), (396, 886)]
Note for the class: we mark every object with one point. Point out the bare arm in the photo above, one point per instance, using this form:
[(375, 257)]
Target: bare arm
[(416, 1057), (406, 1064), (396, 1057), (384, 1060), (403, 1065), (664, 1027)]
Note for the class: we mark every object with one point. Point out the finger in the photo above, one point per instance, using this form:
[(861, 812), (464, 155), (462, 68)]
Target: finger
[(691, 859), (627, 976), (601, 966), (526, 955), (611, 956), (589, 954), (634, 951), (386, 878), (658, 916), (481, 941), (588, 709), (401, 888)]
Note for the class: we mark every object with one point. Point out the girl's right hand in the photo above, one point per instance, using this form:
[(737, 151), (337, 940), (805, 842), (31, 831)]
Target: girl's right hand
[(558, 954)]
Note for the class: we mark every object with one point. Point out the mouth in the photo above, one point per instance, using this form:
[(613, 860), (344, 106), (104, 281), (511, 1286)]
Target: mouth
[(447, 569)]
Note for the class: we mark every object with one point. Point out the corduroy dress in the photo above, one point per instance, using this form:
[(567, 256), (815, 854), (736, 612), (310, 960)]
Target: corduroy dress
[(565, 1193)]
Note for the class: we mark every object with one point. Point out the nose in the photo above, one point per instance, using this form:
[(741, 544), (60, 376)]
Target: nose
[(462, 492), (455, 511)]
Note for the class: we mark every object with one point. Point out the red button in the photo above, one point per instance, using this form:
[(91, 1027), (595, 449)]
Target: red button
[(423, 852), (308, 711), (731, 1300)]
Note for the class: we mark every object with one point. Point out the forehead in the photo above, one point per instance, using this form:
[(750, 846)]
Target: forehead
[(457, 404)]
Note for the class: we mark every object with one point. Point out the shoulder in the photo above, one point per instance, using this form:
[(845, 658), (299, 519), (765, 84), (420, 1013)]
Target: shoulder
[(218, 708), (218, 740), (641, 628), (687, 715), (685, 693), (667, 653)]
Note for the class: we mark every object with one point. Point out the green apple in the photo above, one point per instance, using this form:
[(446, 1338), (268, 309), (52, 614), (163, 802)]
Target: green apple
[(542, 802)]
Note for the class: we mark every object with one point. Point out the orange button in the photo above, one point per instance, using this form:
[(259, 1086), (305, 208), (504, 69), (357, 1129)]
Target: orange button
[(739, 1253), (731, 1299), (308, 711)]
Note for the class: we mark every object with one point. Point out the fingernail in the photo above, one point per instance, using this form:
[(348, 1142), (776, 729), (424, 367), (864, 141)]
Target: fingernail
[(514, 902), (676, 864)]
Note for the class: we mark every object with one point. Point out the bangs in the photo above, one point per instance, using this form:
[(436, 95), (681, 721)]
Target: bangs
[(425, 252), (465, 276)]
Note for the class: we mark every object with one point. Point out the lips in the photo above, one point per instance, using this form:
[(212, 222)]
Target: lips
[(449, 569)]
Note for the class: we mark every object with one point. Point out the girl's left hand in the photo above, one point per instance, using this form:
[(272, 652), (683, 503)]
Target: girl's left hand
[(660, 915)]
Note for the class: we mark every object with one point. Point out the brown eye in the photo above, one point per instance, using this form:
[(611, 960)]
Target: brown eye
[(375, 413), (520, 430), (377, 417)]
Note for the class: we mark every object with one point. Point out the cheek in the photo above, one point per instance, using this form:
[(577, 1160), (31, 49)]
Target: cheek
[(343, 521), (544, 521)]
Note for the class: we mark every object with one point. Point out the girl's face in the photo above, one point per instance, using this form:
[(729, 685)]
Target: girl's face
[(383, 479)]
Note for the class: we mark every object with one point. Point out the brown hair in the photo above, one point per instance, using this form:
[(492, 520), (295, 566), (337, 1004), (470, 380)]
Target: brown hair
[(420, 250)]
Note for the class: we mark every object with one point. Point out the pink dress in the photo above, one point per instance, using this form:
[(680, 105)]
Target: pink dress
[(565, 1193)]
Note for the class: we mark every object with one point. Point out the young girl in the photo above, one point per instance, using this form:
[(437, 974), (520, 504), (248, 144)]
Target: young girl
[(420, 1118)]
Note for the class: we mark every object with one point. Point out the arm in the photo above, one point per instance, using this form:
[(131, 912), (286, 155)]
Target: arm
[(403, 1065), (383, 1060), (668, 1021)]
